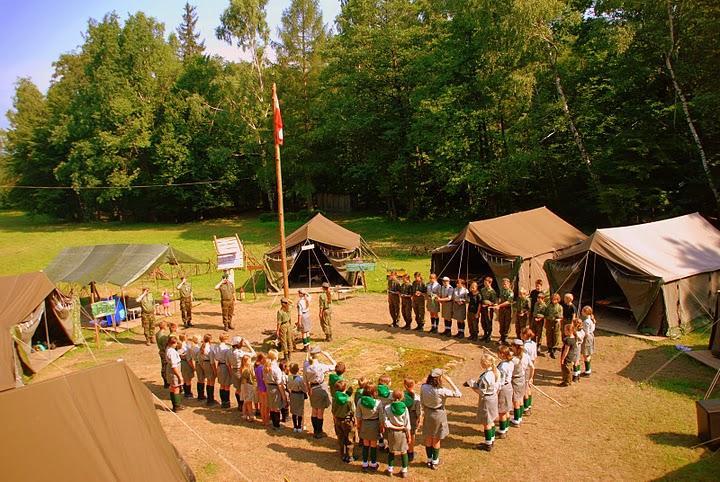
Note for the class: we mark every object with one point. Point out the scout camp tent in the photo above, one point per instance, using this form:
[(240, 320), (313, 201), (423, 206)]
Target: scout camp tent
[(512, 246), (32, 311), (118, 264), (317, 252), (666, 273), (95, 424)]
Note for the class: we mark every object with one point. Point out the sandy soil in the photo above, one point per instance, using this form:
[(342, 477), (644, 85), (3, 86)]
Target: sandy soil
[(610, 426)]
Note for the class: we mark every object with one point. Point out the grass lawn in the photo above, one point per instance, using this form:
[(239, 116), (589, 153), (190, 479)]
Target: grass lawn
[(29, 243)]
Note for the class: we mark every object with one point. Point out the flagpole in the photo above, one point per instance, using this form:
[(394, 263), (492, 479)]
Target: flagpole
[(281, 208)]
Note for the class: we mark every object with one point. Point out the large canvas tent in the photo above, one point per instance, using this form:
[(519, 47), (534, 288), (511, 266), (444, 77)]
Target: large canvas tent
[(667, 273), (95, 424), (117, 264), (514, 246), (31, 311), (317, 252)]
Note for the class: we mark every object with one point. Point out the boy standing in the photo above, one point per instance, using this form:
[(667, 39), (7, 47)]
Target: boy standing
[(489, 298), (393, 291)]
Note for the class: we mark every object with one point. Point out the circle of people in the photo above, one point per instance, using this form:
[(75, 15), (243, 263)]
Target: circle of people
[(269, 388)]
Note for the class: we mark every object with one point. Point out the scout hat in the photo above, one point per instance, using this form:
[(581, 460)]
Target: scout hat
[(445, 278), (236, 340), (284, 301), (518, 341), (436, 372), (302, 291), (326, 285), (315, 350)]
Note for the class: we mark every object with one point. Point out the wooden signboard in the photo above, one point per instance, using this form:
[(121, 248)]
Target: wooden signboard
[(230, 253), (101, 309), (358, 267)]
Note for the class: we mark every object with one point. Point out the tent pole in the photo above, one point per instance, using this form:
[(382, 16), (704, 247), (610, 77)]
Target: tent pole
[(467, 268), (582, 285), (462, 253), (95, 321), (47, 330), (592, 295)]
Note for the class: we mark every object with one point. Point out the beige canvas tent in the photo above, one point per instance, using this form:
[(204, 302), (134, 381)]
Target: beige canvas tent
[(32, 311), (513, 246), (95, 424), (666, 273), (317, 252)]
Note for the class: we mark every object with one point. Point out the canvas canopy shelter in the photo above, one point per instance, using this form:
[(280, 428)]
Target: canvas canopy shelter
[(95, 424), (32, 311), (666, 272), (317, 252), (514, 246), (118, 264)]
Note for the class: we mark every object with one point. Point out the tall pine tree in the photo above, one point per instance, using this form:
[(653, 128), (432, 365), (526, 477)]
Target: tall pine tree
[(190, 44)]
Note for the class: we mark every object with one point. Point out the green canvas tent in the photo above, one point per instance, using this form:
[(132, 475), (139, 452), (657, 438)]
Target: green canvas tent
[(96, 424), (118, 264), (667, 273)]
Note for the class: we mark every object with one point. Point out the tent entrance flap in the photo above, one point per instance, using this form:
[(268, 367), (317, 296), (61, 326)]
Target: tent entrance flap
[(466, 260), (312, 268)]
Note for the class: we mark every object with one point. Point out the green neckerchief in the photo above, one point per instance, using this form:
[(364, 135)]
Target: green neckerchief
[(398, 408), (341, 397), (334, 378), (409, 399), (383, 391), (367, 401)]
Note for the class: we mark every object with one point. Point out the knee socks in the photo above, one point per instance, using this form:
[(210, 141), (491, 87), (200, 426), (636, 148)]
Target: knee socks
[(275, 417), (365, 452), (239, 402), (373, 455), (391, 460), (201, 391), (436, 456), (448, 326), (405, 461), (587, 366), (429, 453), (461, 328), (284, 414)]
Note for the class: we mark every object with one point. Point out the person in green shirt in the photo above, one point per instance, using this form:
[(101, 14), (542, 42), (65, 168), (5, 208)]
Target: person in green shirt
[(406, 301), (343, 410), (227, 301), (284, 331), (489, 299), (161, 338), (325, 302), (147, 314), (393, 292), (538, 315), (185, 290), (419, 289), (504, 310), (521, 312), (553, 324)]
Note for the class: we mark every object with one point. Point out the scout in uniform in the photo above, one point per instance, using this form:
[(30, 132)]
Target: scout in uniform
[(486, 386), (531, 349), (412, 401), (227, 301), (284, 331), (535, 293), (418, 301), (553, 324), (325, 302), (147, 314), (384, 395), (435, 424), (521, 312), (304, 322), (504, 390), (298, 394), (367, 415), (433, 305), (224, 374), (567, 355), (314, 374), (489, 299), (161, 339), (504, 310), (275, 382), (233, 360), (209, 368), (474, 300), (588, 346), (569, 312), (446, 305), (538, 315), (343, 410), (173, 375), (459, 307), (187, 364), (579, 339), (199, 372), (248, 390), (263, 411), (521, 364), (185, 290), (336, 376), (396, 421), (393, 291), (406, 301)]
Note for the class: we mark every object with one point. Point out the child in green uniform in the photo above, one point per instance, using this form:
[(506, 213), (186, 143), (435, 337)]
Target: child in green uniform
[(161, 338), (418, 301), (567, 357), (406, 301), (343, 410), (504, 310), (553, 324), (298, 395), (521, 312), (393, 292), (412, 401), (367, 415), (384, 394), (396, 422), (284, 331), (538, 315), (489, 299)]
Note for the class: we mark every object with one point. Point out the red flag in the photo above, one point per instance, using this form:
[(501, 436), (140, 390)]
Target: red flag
[(277, 121)]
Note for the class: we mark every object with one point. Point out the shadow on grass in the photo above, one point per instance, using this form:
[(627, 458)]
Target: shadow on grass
[(674, 439), (705, 469), (324, 456)]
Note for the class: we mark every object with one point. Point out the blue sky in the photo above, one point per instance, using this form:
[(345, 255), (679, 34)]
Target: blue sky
[(33, 33)]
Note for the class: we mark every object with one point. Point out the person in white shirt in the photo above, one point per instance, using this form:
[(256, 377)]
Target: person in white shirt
[(314, 375), (174, 376), (275, 382), (223, 370), (304, 323), (487, 388), (435, 424), (588, 346), (504, 391), (396, 419), (531, 349), (579, 340)]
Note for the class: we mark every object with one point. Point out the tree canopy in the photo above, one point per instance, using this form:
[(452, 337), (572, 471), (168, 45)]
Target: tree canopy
[(604, 110)]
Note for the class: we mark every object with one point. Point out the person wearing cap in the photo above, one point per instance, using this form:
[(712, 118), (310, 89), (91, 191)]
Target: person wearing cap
[(446, 305), (406, 300), (233, 359), (147, 315), (227, 301), (435, 425), (459, 307), (314, 375), (185, 290), (433, 305), (489, 298), (304, 322), (393, 291), (284, 331), (419, 288), (325, 302)]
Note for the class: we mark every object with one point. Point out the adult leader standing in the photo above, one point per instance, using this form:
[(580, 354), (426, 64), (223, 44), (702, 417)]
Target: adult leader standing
[(227, 300)]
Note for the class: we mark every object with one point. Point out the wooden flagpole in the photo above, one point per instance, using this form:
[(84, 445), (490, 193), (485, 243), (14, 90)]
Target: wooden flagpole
[(281, 209)]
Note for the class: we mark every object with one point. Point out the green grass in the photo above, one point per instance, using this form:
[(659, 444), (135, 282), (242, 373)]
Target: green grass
[(29, 243)]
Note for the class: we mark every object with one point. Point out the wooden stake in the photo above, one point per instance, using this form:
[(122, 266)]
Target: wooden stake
[(97, 328), (548, 396), (281, 212)]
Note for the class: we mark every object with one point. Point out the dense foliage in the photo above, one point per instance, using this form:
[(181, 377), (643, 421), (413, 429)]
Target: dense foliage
[(604, 110)]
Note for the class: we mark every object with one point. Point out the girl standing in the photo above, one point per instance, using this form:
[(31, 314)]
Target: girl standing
[(187, 364), (487, 388), (396, 420), (367, 416), (314, 374), (567, 356), (199, 372), (433, 305), (247, 388), (222, 350), (459, 311), (174, 376), (588, 346), (504, 400), (412, 401), (531, 351), (520, 361), (262, 394), (304, 323), (209, 368), (275, 382), (166, 303), (579, 339), (298, 395), (435, 425)]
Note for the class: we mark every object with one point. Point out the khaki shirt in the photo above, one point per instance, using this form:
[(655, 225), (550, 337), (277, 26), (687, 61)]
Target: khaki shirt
[(227, 291), (553, 311), (506, 295), (161, 338), (148, 304), (315, 372), (393, 287), (283, 317), (186, 290), (343, 411), (432, 397), (539, 310), (521, 305), (325, 303), (489, 296)]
